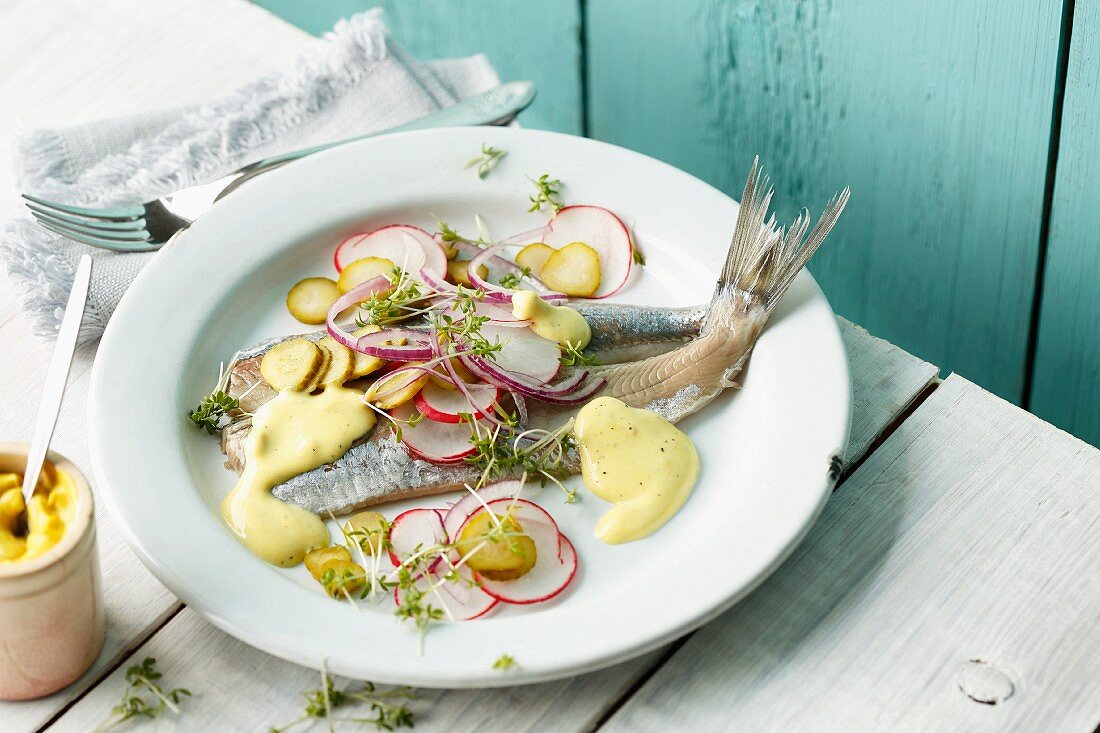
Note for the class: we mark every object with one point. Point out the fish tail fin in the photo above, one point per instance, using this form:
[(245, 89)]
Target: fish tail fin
[(764, 259)]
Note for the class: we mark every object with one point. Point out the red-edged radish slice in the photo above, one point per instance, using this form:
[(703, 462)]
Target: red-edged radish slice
[(469, 504), (602, 231), (446, 405), (458, 601), (410, 248), (438, 442), (414, 529), (524, 352), (556, 559)]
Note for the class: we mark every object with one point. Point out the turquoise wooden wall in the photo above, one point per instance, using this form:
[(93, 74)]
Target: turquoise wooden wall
[(942, 116), (1067, 358), (524, 40)]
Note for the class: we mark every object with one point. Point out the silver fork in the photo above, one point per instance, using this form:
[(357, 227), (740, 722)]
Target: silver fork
[(146, 227)]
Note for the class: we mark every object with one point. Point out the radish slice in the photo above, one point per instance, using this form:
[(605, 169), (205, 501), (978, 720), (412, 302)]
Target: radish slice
[(499, 314), (414, 529), (468, 505), (556, 562), (445, 405), (410, 248), (438, 442), (524, 352), (457, 601), (602, 231)]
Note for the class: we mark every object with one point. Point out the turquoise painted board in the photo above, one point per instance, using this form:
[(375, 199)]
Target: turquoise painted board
[(937, 113), (1066, 389), (539, 41)]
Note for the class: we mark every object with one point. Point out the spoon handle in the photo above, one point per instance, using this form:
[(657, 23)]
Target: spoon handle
[(57, 375)]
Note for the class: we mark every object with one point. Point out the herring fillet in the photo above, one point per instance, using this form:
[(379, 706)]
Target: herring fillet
[(673, 361)]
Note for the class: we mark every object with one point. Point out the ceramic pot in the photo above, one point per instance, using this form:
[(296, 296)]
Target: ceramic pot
[(51, 607)]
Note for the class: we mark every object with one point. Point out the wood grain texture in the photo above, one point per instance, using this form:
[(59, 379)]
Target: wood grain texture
[(1066, 387), (936, 113), (958, 562), (539, 41), (239, 688), (68, 62), (193, 652), (885, 382)]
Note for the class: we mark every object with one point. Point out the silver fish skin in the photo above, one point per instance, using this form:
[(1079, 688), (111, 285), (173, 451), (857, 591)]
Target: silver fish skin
[(678, 361)]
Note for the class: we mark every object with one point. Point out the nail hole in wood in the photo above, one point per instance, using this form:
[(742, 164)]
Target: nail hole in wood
[(982, 682)]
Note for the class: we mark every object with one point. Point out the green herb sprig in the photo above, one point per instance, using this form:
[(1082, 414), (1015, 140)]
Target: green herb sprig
[(398, 304), (141, 678), (572, 356), (547, 193), (534, 452), (387, 713), (214, 406), (512, 280), (488, 160)]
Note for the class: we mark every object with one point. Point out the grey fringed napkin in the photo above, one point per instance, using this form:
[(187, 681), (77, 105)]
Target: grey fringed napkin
[(352, 81)]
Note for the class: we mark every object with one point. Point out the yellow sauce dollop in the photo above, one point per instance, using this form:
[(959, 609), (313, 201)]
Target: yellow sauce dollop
[(293, 433), (637, 460), (28, 531), (558, 323)]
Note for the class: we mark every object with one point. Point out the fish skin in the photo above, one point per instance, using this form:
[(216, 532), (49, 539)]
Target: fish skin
[(673, 361), (620, 333), (377, 468)]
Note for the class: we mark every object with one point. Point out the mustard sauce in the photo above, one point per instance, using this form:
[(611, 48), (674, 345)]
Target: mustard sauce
[(638, 461), (558, 323), (29, 531), (293, 433)]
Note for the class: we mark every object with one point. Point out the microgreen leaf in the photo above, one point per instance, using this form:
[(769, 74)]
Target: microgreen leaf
[(572, 356), (214, 406), (141, 679), (547, 193), (505, 662), (385, 713), (488, 160)]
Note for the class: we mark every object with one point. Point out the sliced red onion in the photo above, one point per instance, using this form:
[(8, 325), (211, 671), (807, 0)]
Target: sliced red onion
[(497, 293), (584, 392), (436, 281), (458, 382), (354, 297), (504, 379), (374, 344), (529, 237)]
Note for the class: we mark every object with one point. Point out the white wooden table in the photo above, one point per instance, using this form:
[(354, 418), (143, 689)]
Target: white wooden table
[(953, 582)]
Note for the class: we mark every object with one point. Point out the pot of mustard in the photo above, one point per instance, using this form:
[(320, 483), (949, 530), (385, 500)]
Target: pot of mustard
[(51, 600)]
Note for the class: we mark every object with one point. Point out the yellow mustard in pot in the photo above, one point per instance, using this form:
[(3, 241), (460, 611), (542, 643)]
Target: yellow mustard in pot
[(29, 531)]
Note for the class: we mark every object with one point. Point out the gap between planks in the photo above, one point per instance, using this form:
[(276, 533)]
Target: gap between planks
[(123, 658)]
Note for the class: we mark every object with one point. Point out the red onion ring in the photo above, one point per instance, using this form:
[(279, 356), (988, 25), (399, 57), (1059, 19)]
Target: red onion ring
[(504, 379), (367, 344)]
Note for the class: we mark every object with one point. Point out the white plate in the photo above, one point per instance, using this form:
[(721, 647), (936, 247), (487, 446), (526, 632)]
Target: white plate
[(221, 286)]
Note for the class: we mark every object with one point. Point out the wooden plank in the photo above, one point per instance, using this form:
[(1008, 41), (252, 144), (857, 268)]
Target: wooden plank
[(885, 381), (192, 652), (937, 114), (1066, 389), (66, 62), (956, 567), (539, 41), (240, 688)]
